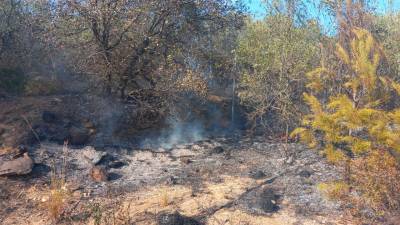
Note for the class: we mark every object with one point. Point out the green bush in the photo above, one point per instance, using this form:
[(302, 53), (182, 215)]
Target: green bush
[(274, 55)]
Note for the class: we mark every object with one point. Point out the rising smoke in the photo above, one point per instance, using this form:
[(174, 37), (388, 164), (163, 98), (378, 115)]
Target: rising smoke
[(177, 132)]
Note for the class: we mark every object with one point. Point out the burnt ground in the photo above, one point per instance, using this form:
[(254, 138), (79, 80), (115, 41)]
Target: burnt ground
[(216, 181)]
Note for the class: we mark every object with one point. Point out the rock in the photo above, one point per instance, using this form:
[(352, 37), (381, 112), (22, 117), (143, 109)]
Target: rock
[(268, 201), (98, 174), (78, 135), (289, 160), (93, 156), (19, 166), (217, 150), (176, 219)]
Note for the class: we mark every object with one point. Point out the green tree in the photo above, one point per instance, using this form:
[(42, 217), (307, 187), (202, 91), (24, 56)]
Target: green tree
[(274, 54)]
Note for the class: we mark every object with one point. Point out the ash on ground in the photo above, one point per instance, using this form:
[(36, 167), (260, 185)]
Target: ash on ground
[(214, 181)]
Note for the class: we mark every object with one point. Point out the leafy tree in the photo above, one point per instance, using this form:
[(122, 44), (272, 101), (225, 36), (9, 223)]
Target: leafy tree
[(387, 30), (125, 40), (274, 56)]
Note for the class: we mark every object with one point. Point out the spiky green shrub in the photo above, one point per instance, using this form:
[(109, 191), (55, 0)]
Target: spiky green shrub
[(357, 126)]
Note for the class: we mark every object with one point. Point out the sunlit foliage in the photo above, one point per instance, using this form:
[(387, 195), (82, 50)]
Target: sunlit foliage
[(274, 54), (356, 125)]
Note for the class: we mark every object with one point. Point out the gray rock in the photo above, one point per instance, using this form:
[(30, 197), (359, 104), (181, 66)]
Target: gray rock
[(19, 166), (92, 155), (98, 174)]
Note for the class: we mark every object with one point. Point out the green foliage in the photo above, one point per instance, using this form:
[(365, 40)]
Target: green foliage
[(355, 120), (352, 127), (274, 54), (12, 81), (387, 30)]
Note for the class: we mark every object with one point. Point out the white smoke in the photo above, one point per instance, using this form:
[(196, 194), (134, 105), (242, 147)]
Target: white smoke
[(177, 133)]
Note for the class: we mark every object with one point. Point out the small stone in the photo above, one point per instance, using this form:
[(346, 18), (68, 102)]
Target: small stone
[(98, 174), (92, 155), (289, 160), (19, 166)]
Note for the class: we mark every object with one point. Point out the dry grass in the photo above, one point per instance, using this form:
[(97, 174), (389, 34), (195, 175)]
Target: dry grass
[(164, 199), (59, 194), (334, 190), (377, 180), (6, 150), (56, 203)]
